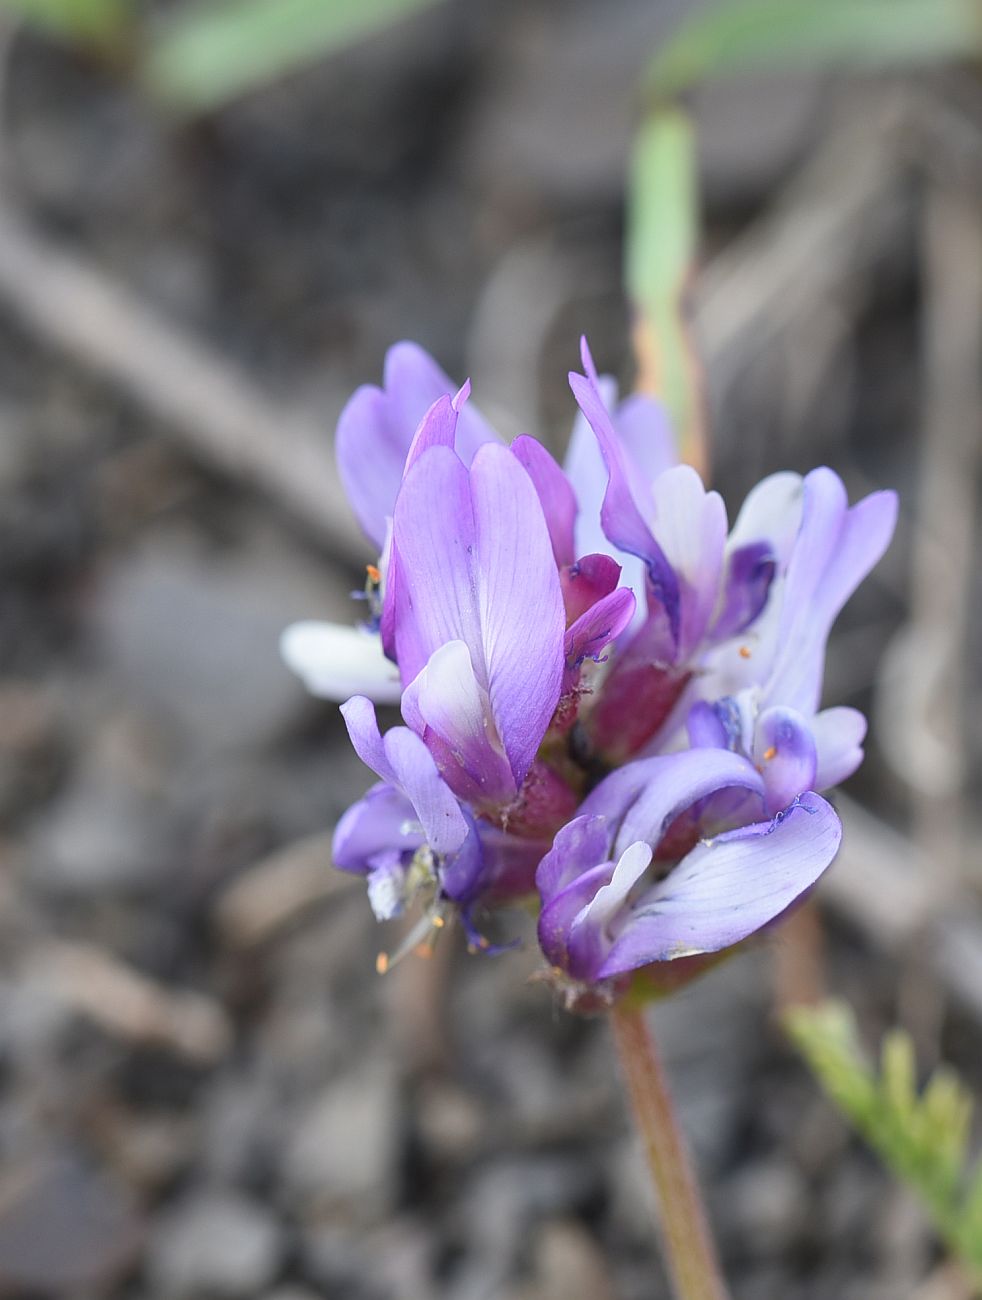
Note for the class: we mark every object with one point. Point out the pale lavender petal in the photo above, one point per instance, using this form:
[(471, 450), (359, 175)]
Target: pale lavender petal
[(557, 917), (383, 819), (728, 888), (377, 426), (784, 752), (578, 847), (435, 535), (835, 549), (476, 566), (521, 604), (555, 496), (839, 734), (437, 428), (689, 524), (627, 505), (447, 704), (402, 760), (750, 571), (335, 662), (588, 942), (645, 430), (706, 727), (770, 513), (371, 450), (415, 381), (673, 783)]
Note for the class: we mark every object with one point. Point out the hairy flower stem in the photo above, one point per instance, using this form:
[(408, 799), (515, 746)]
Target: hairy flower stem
[(688, 1245)]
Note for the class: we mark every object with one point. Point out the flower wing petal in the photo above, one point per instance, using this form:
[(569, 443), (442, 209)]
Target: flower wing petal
[(728, 888)]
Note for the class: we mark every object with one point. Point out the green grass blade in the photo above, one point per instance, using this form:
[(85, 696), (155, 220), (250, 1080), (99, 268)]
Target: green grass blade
[(661, 238), (97, 22), (741, 35), (207, 54)]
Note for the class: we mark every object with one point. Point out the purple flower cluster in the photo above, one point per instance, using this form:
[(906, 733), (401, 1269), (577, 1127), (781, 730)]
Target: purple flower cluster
[(608, 696)]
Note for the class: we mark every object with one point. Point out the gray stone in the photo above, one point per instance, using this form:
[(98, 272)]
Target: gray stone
[(215, 1243), (65, 1228), (343, 1151), (766, 1205), (195, 635)]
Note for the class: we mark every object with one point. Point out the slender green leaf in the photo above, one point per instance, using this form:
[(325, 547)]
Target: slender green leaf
[(660, 248), (741, 35), (207, 54), (100, 22), (923, 1139)]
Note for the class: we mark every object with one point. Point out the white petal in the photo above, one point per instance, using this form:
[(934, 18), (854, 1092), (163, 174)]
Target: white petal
[(336, 662)]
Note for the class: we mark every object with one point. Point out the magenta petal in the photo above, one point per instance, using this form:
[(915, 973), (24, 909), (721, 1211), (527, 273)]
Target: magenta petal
[(728, 888), (602, 623), (555, 495)]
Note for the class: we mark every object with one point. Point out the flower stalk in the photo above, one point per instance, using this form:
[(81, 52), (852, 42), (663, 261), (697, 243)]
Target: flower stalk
[(689, 1247)]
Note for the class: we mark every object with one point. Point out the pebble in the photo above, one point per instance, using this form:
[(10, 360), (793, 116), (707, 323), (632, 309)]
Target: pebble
[(215, 1243), (344, 1149), (66, 1227)]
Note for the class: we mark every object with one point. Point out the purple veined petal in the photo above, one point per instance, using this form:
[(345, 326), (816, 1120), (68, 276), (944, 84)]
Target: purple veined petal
[(521, 601), (435, 538), (377, 426), (335, 662), (415, 381), (588, 942), (586, 473), (371, 450), (462, 876), (784, 752), (750, 572), (446, 704), (726, 889), (382, 819), (557, 916), (706, 727), (627, 504), (835, 549), (839, 734), (577, 848), (645, 430), (555, 496), (602, 623), (402, 760), (437, 428), (771, 513), (672, 784), (476, 565), (690, 527)]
